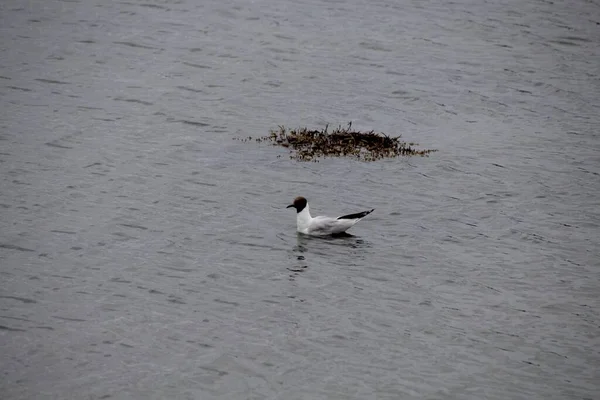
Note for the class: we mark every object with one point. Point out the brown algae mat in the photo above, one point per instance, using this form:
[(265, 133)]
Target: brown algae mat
[(310, 145)]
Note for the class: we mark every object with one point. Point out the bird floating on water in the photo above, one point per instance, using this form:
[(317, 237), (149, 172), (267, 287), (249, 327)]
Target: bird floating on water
[(321, 225)]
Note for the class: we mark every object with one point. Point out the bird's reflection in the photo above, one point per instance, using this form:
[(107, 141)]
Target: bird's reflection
[(325, 243), (340, 249)]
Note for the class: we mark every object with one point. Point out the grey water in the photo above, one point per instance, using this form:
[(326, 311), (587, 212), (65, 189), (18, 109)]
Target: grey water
[(145, 253)]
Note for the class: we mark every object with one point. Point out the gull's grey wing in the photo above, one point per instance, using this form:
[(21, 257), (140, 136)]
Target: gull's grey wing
[(357, 215), (327, 226)]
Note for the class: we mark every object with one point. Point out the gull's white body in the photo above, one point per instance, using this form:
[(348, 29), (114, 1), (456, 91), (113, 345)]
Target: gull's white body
[(323, 226)]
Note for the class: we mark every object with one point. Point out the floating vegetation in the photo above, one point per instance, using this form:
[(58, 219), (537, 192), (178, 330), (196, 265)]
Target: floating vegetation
[(309, 145)]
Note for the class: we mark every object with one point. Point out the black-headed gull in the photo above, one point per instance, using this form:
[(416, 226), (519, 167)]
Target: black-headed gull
[(323, 226)]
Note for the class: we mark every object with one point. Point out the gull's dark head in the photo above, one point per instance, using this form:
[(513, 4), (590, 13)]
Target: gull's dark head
[(299, 203)]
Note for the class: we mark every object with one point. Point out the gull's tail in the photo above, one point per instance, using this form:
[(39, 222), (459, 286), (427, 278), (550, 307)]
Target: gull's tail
[(359, 215)]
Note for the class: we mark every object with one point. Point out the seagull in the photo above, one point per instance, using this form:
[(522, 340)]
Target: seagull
[(323, 226)]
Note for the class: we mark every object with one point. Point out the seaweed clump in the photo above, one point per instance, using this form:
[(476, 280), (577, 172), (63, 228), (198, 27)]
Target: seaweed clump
[(309, 145)]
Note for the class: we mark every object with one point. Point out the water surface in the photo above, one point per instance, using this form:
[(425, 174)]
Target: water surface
[(146, 254)]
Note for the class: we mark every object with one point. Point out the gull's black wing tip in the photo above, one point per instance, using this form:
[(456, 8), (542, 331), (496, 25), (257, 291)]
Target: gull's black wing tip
[(357, 215)]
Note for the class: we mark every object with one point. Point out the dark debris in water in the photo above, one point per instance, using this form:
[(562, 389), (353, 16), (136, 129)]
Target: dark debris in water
[(310, 145)]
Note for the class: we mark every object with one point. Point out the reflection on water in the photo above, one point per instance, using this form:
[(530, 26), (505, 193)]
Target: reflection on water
[(342, 250), (328, 245)]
